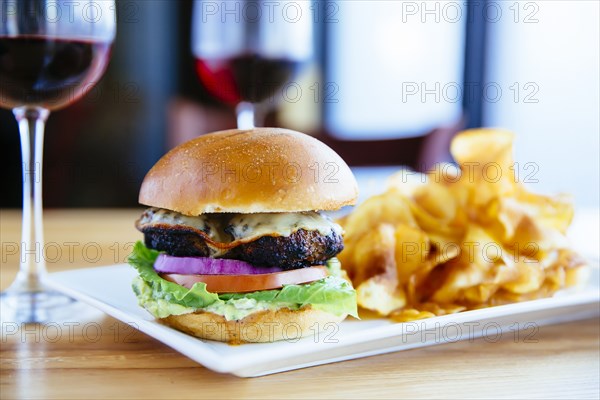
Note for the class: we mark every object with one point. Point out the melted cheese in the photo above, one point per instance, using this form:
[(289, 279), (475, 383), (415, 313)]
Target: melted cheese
[(158, 216), (250, 226), (229, 228)]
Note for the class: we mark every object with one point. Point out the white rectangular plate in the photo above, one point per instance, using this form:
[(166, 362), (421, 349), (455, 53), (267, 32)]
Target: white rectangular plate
[(109, 289)]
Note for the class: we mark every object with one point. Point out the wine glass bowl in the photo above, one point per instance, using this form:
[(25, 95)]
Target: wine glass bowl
[(247, 51), (51, 73), (246, 77), (51, 54)]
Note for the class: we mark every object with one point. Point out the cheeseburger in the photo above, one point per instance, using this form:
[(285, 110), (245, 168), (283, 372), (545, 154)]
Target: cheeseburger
[(236, 248)]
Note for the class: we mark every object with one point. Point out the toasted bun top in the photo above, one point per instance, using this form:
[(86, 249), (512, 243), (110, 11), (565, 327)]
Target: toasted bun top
[(249, 171)]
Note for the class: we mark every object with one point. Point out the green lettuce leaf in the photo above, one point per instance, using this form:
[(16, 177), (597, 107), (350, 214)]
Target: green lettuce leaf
[(142, 259), (155, 305), (162, 298)]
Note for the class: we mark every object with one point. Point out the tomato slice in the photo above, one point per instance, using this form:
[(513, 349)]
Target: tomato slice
[(249, 283)]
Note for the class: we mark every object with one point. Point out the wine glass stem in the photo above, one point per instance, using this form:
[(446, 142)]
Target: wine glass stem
[(31, 121), (245, 115)]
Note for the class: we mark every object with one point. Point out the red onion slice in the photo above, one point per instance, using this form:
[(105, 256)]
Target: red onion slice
[(208, 266)]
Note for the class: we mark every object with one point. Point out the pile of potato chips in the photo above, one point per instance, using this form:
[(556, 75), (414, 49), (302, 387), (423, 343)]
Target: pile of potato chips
[(465, 238)]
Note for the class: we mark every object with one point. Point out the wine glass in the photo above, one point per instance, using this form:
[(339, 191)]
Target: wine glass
[(247, 51), (51, 54)]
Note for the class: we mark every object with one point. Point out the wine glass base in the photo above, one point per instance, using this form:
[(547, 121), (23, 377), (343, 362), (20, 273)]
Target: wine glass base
[(35, 306)]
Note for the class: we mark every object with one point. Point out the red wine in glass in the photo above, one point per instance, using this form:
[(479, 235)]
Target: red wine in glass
[(49, 72), (245, 78)]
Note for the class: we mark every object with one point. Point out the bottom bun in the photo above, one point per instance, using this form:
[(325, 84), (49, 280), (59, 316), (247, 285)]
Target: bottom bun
[(260, 327)]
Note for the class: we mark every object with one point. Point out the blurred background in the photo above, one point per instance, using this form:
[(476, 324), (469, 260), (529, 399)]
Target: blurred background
[(389, 84)]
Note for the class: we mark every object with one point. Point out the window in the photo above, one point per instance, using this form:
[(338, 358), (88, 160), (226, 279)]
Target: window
[(397, 67)]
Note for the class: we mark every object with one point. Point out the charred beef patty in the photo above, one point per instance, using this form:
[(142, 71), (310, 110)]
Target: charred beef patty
[(176, 242), (301, 249), (288, 242)]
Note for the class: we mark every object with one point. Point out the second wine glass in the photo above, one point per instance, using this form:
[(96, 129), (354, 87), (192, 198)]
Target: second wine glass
[(248, 51)]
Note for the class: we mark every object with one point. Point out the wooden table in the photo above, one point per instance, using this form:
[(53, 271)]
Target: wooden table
[(111, 360)]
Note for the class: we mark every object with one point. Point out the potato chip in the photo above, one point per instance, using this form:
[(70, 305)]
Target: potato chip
[(381, 294), (459, 238), (482, 146), (373, 255), (385, 208), (411, 250), (410, 314), (530, 277)]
